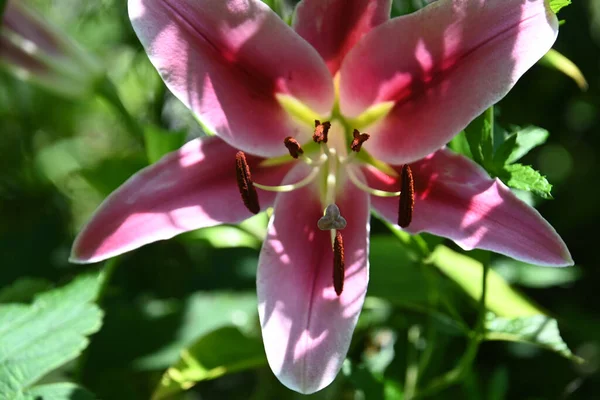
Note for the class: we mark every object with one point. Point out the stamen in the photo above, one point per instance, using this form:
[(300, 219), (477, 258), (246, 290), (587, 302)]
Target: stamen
[(407, 197), (293, 146), (332, 219), (244, 181), (339, 267), (359, 139), (321, 131), (288, 188), (370, 190)]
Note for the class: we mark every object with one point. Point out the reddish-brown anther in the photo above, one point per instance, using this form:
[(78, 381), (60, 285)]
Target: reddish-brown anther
[(244, 181), (359, 139), (407, 197), (321, 131), (339, 268), (293, 146)]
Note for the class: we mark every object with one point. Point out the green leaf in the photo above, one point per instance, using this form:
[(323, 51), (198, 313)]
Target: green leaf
[(215, 354), (557, 5), (2, 6), (373, 385), (460, 145), (58, 391), (467, 273), (480, 136), (112, 173), (40, 337), (396, 273), (539, 330), (527, 139), (555, 60), (202, 313), (23, 290), (505, 150), (160, 142), (524, 177)]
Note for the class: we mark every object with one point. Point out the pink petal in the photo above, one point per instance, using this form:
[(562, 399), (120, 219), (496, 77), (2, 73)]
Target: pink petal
[(455, 198), (334, 26), (306, 327), (446, 64), (226, 60), (191, 188)]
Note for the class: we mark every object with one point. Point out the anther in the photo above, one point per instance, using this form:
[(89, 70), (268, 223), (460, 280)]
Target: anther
[(407, 197), (359, 139), (244, 181), (339, 268), (321, 131), (332, 219), (293, 146)]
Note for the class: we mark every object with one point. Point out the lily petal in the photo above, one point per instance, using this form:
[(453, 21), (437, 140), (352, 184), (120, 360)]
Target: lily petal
[(450, 61), (306, 327), (334, 26), (455, 198), (194, 187), (226, 60)]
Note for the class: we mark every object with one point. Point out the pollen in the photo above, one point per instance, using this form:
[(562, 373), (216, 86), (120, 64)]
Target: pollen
[(244, 181), (293, 146), (407, 197), (321, 131), (339, 268), (359, 139)]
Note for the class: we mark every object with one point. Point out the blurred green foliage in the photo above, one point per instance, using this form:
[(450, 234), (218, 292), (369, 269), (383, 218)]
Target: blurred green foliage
[(180, 316)]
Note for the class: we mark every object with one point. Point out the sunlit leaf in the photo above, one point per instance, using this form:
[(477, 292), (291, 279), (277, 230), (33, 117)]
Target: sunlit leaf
[(539, 330), (40, 337), (557, 5), (535, 276), (215, 354), (556, 60), (467, 273), (524, 177)]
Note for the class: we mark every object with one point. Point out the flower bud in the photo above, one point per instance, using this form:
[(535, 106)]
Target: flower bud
[(35, 51)]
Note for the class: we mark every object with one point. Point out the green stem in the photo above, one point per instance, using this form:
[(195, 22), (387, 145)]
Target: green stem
[(434, 295), (412, 368), (459, 372), (108, 91)]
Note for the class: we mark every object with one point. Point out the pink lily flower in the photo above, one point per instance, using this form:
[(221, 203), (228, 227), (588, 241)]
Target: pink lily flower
[(412, 82)]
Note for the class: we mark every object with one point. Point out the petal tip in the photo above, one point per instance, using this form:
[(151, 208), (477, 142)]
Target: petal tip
[(77, 258)]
